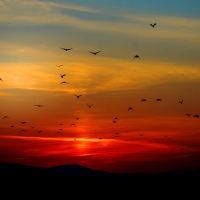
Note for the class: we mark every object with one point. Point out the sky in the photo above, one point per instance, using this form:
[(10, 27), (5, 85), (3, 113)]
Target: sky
[(152, 137)]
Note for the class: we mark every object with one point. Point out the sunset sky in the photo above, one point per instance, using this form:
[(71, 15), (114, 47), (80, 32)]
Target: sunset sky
[(32, 34)]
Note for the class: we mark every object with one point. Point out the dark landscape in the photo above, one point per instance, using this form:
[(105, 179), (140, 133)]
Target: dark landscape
[(74, 177)]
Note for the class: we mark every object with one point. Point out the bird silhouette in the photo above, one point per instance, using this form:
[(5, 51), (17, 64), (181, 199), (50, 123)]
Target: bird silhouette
[(60, 124), (130, 108), (77, 118), (181, 148), (100, 138), (62, 75), (89, 106), (12, 126), (6, 117), (73, 124), (95, 53), (60, 129), (143, 100), (158, 99), (141, 134), (181, 102), (39, 131), (1, 79), (23, 122), (136, 56), (188, 115), (197, 116), (58, 132), (64, 82), (39, 105), (114, 121), (23, 130), (78, 96), (32, 127), (59, 65), (115, 118), (153, 25), (66, 49)]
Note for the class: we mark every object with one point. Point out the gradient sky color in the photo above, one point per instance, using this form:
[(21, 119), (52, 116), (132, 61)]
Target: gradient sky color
[(31, 35)]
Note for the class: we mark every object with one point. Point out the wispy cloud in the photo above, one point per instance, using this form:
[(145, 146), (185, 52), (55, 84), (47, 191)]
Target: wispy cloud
[(48, 12)]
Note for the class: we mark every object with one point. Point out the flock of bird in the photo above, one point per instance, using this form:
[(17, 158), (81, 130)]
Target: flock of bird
[(90, 105)]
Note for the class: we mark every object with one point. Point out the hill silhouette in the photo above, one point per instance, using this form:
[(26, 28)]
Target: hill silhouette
[(76, 177)]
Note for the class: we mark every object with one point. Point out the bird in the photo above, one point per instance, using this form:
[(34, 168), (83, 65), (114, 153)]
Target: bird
[(89, 106), (60, 124), (115, 118), (1, 79), (32, 127), (158, 99), (95, 53), (114, 121), (62, 75), (12, 126), (6, 117), (197, 116), (181, 148), (39, 131), (181, 102), (66, 49), (136, 56), (77, 118), (130, 108), (78, 96), (153, 25), (58, 132), (64, 82), (73, 125), (143, 100), (60, 129), (188, 114), (100, 138), (59, 65), (39, 105), (23, 130), (23, 122), (141, 134)]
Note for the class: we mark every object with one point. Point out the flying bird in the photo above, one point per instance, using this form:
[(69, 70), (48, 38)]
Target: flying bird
[(62, 75), (6, 117), (23, 130), (77, 118), (59, 65), (136, 56), (58, 132), (95, 53), (32, 127), (12, 126), (130, 108), (78, 96), (158, 99), (197, 116), (23, 122), (39, 131), (1, 79), (181, 102), (188, 115), (64, 82), (153, 25), (66, 49), (60, 124), (39, 105), (89, 106), (143, 100), (100, 138), (73, 125), (141, 134), (115, 118), (114, 121)]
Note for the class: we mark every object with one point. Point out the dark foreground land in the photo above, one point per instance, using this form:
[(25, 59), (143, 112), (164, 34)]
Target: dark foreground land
[(79, 180)]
